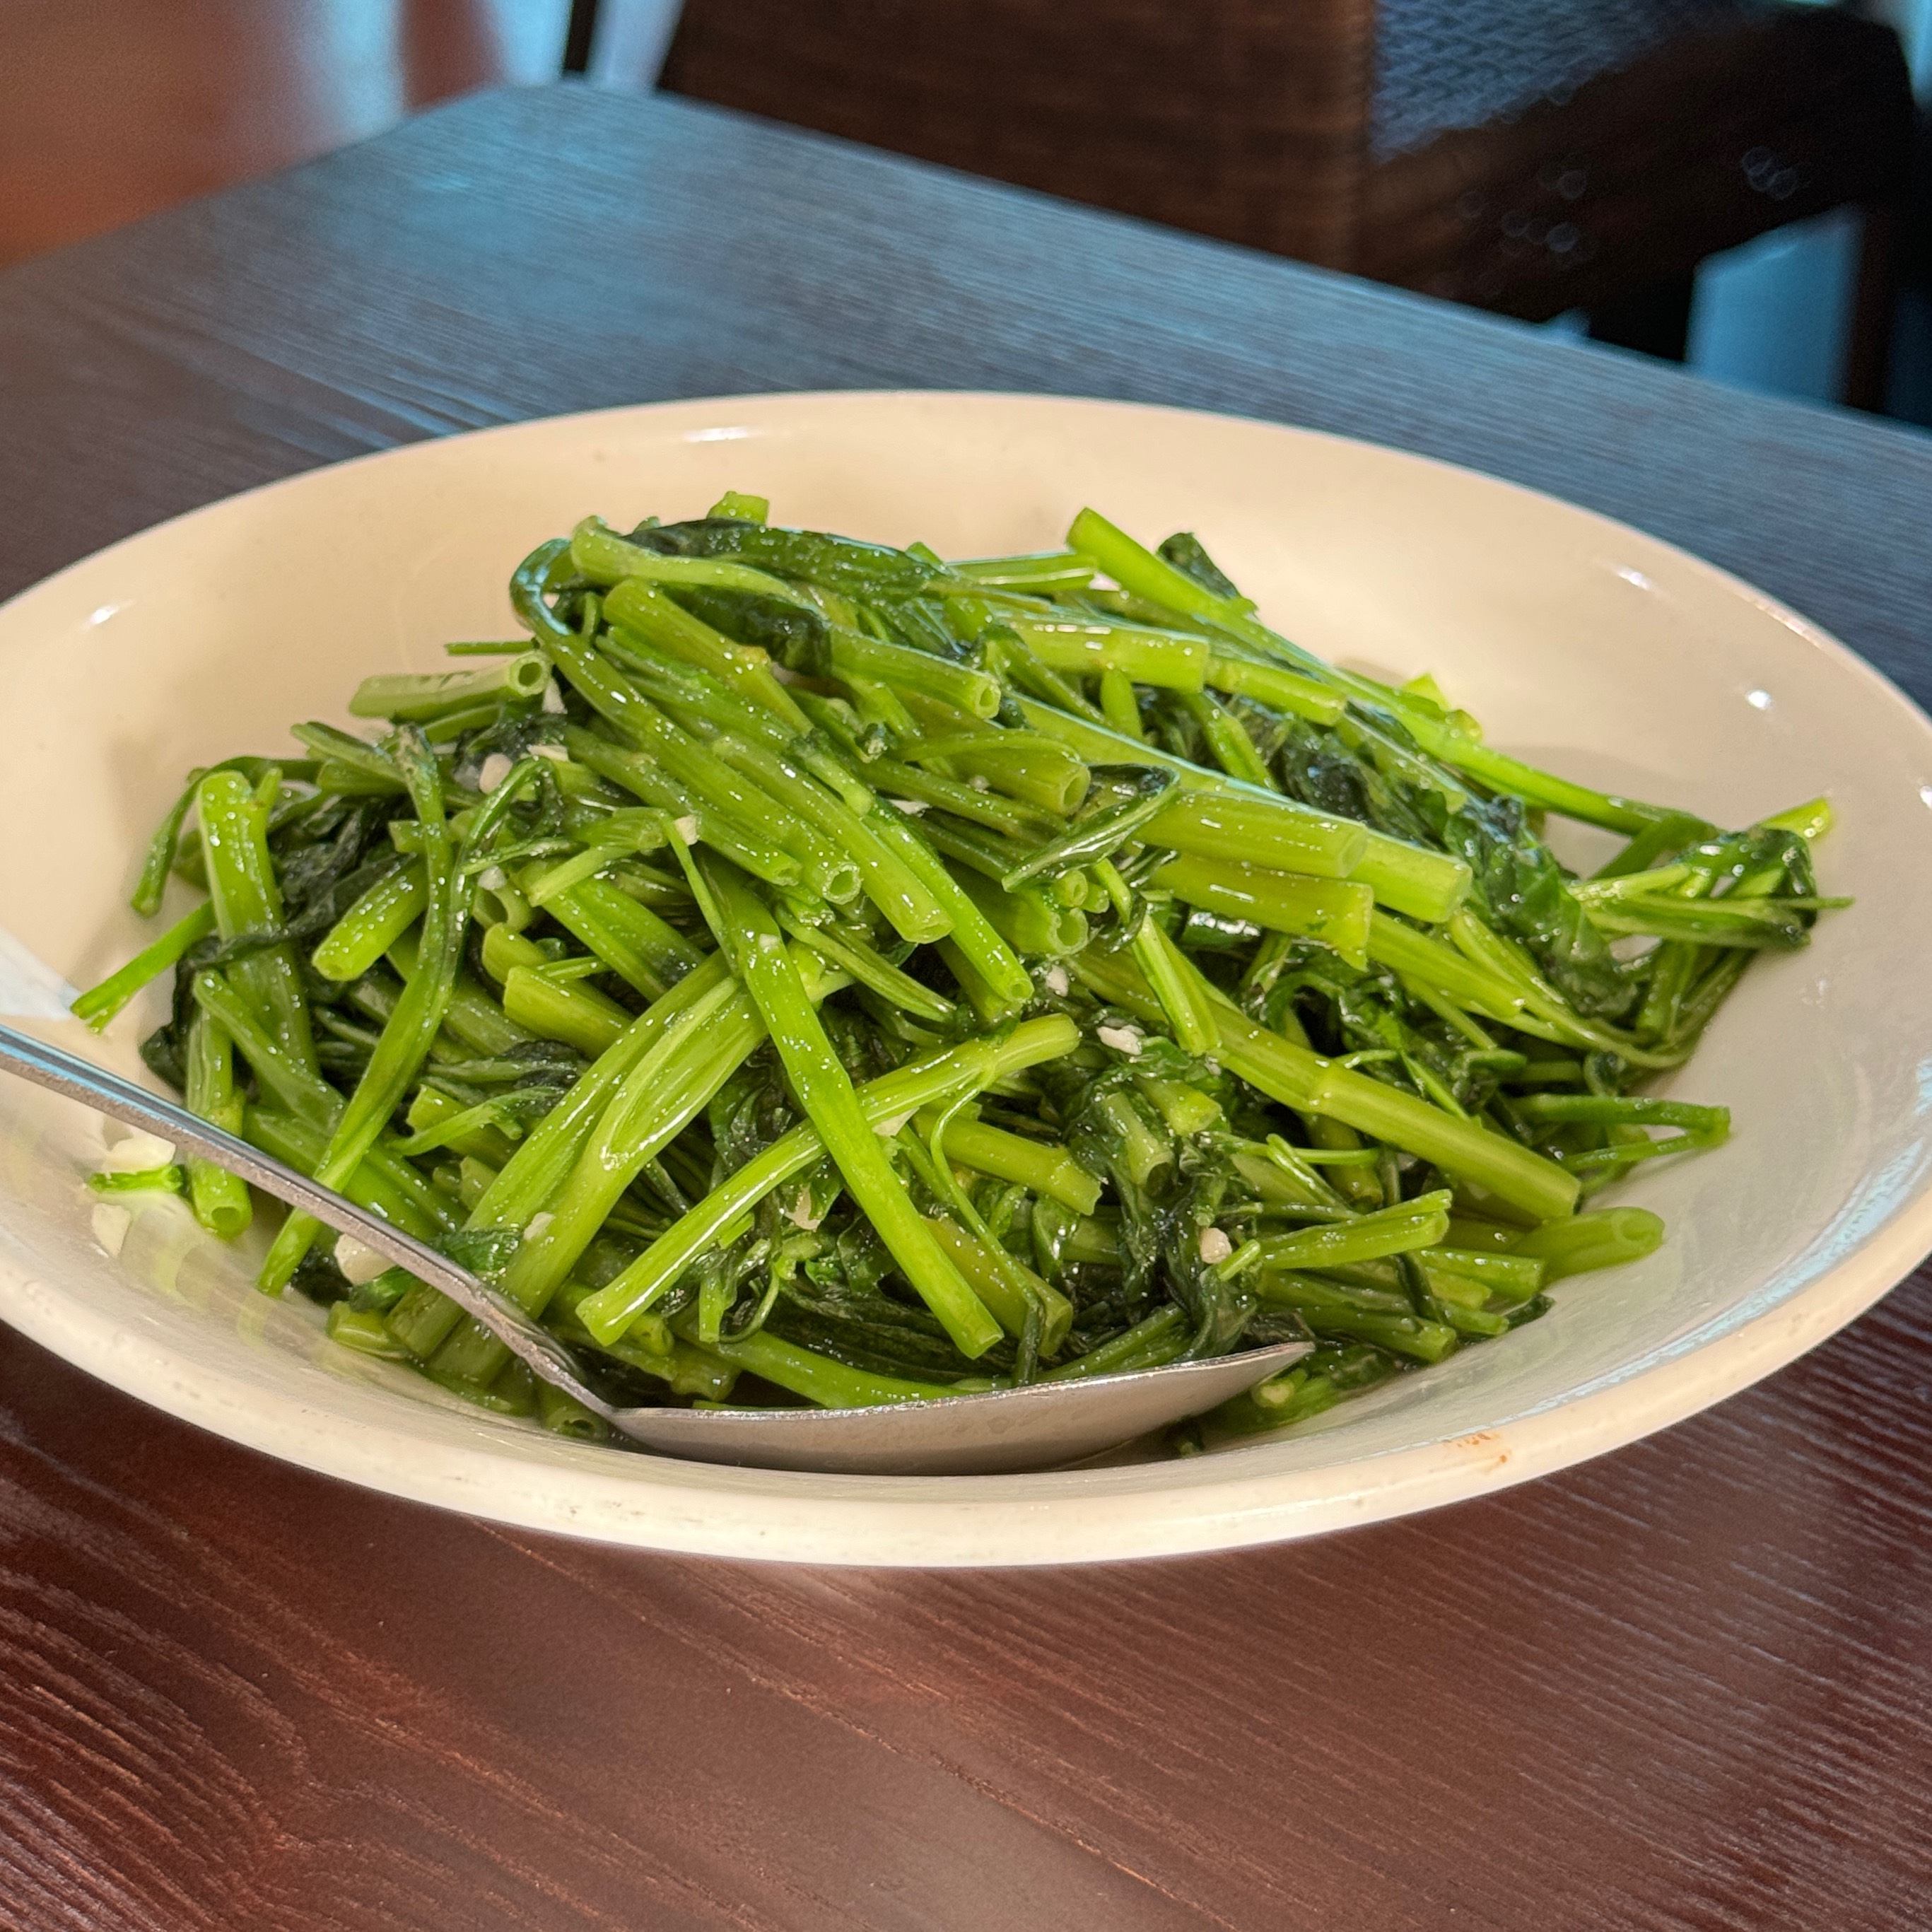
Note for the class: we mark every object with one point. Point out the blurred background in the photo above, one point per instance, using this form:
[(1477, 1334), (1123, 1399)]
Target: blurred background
[(1738, 183)]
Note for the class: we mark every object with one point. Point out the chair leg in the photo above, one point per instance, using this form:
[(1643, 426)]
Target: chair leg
[(579, 35), (1874, 304), (1655, 318)]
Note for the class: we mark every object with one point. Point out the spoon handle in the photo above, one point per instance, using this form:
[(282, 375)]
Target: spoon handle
[(66, 1074)]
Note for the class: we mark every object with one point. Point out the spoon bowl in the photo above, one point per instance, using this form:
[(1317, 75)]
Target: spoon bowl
[(996, 1432)]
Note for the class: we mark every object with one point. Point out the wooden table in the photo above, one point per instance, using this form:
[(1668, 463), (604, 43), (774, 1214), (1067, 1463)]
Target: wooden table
[(1684, 1686)]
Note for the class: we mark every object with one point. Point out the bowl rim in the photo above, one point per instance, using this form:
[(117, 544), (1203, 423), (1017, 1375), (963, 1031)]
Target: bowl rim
[(773, 1515)]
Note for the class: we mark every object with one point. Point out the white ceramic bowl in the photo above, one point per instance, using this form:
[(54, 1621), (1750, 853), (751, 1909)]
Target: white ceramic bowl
[(1582, 644)]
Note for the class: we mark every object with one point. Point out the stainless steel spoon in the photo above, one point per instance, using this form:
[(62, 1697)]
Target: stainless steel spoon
[(1036, 1427)]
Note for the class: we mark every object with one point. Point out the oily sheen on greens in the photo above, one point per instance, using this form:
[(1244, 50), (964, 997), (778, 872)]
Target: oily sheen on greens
[(802, 970)]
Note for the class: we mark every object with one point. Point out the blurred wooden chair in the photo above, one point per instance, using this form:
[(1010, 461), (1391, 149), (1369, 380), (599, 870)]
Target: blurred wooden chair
[(1529, 156)]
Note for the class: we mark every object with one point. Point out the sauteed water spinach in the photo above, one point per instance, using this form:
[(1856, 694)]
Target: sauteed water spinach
[(803, 971)]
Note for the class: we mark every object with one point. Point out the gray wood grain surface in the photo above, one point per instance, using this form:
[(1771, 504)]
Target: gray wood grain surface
[(1687, 1686)]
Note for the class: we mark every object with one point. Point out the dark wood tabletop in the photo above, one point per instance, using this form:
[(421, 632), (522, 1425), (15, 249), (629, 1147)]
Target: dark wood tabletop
[(1688, 1685)]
